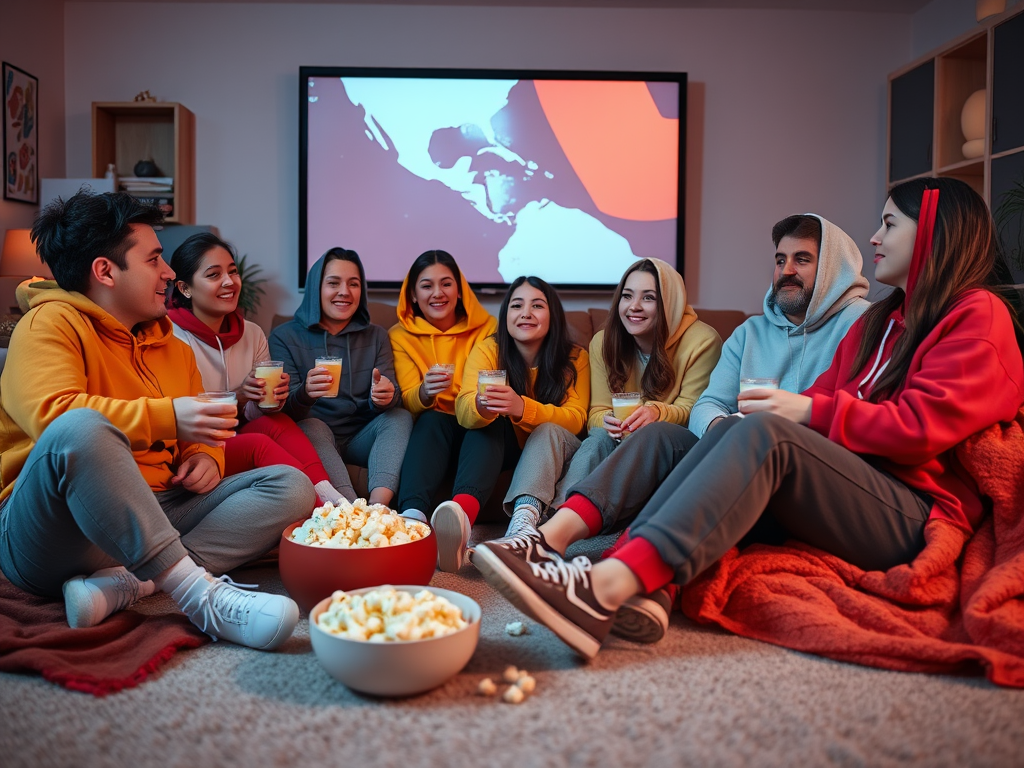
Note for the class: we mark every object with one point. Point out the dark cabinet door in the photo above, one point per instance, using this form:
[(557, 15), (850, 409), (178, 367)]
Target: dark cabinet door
[(911, 106), (1008, 208), (1008, 85)]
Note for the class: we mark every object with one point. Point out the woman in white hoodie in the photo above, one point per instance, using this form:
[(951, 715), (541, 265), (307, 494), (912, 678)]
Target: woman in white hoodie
[(204, 310)]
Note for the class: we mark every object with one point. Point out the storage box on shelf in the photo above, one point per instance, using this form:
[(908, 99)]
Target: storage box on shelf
[(927, 97), (123, 133)]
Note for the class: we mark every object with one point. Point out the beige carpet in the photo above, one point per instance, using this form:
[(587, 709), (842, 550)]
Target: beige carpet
[(701, 697)]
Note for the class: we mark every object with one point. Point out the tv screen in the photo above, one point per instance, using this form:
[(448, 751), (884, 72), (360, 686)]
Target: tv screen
[(570, 176)]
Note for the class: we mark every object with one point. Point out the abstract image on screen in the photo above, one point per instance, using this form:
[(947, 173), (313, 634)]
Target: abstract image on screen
[(571, 180)]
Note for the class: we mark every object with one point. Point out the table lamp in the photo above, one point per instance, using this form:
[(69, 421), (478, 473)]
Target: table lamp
[(18, 261)]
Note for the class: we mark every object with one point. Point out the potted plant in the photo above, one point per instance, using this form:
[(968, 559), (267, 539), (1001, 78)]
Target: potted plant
[(252, 286)]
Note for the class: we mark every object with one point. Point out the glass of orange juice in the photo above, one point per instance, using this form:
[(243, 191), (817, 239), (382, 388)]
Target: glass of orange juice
[(333, 366), (624, 403), (489, 379), (270, 371)]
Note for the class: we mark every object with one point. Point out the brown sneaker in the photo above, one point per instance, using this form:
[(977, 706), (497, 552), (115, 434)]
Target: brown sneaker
[(644, 618), (555, 592)]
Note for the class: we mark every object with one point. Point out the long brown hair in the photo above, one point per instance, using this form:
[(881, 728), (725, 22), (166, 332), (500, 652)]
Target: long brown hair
[(963, 256), (619, 348)]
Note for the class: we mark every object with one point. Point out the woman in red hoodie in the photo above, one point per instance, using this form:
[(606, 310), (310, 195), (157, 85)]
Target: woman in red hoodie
[(856, 465)]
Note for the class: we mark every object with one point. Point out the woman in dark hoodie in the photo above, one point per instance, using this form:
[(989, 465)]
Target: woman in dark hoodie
[(333, 321)]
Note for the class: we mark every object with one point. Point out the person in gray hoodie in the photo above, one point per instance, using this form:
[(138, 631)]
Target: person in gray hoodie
[(817, 293), (370, 428)]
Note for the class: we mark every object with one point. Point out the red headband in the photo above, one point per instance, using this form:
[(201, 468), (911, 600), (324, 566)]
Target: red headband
[(923, 241)]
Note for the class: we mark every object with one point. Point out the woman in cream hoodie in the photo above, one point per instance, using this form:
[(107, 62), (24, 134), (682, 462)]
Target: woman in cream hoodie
[(439, 321), (652, 345)]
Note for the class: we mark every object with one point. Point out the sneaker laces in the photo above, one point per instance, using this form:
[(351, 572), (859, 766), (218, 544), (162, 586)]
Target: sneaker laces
[(562, 572), (223, 601), (523, 521)]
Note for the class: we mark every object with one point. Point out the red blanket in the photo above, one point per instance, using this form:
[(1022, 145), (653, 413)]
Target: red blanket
[(119, 653), (958, 605)]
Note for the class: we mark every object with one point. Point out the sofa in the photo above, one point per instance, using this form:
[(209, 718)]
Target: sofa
[(583, 324)]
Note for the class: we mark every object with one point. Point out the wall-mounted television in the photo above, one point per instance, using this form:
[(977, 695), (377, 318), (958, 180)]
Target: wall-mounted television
[(567, 175)]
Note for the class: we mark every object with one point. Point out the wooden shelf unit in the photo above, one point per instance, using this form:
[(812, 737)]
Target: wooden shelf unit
[(961, 67), (124, 133)]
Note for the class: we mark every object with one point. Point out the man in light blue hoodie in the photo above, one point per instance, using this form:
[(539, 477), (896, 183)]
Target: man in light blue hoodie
[(817, 293)]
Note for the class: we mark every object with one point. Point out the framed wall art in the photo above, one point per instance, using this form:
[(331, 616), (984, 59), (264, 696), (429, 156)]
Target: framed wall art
[(21, 135)]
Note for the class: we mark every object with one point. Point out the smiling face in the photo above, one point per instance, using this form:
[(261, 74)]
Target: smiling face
[(340, 290), (796, 266), (138, 290), (894, 246), (528, 317), (437, 295), (215, 286), (638, 306)]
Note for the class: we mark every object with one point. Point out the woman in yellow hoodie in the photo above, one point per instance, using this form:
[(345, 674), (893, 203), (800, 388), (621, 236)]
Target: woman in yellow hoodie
[(439, 321), (548, 381)]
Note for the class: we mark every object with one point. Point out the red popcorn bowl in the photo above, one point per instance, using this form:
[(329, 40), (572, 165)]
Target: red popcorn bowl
[(310, 573)]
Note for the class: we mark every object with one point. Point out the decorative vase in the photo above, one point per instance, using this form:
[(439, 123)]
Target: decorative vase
[(145, 168), (986, 8), (972, 123)]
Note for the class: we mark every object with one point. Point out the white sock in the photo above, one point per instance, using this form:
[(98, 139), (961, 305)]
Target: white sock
[(88, 600), (179, 577), (326, 492)]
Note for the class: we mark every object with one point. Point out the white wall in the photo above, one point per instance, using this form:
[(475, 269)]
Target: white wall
[(793, 112), (32, 39)]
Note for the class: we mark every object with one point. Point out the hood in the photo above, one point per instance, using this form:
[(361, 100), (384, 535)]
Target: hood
[(678, 312), (838, 283), (152, 332), (309, 311), (476, 315)]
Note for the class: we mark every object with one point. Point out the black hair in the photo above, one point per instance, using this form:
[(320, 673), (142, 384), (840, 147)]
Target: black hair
[(186, 260), (556, 371), (428, 259), (800, 226), (71, 234)]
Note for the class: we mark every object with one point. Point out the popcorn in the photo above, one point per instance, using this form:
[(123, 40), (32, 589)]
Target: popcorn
[(358, 525), (516, 628), (387, 615), (513, 695), (510, 675), (486, 687), (525, 683)]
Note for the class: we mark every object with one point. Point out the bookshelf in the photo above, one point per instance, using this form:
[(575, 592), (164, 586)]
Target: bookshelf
[(123, 133)]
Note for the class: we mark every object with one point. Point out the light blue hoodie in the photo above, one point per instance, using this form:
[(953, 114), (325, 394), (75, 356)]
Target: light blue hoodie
[(771, 346)]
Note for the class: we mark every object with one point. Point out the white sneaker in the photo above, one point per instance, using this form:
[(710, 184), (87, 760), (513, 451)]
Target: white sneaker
[(222, 610), (88, 600), (452, 528), (414, 514), (524, 522)]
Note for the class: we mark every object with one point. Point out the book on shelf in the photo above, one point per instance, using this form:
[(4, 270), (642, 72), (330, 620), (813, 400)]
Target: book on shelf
[(164, 203), (146, 179), (143, 188)]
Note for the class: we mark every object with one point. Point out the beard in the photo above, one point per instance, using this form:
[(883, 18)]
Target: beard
[(790, 303)]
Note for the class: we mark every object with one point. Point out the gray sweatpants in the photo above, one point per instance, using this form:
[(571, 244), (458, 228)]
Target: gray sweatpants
[(379, 446), (554, 460), (80, 504), (818, 491)]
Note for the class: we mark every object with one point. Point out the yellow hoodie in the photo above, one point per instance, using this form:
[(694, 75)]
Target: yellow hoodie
[(693, 347), (418, 345), (571, 413), (67, 353)]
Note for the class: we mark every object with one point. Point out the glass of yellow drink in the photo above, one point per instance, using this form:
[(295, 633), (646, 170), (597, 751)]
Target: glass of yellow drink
[(270, 371), (624, 403), (489, 379), (763, 383), (333, 366)]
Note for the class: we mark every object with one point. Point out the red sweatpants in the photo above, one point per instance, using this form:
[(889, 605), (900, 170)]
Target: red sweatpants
[(272, 439)]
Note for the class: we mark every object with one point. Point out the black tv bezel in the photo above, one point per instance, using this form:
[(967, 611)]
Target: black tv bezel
[(305, 72)]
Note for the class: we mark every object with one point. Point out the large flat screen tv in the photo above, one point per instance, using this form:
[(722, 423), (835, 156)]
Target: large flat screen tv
[(570, 176)]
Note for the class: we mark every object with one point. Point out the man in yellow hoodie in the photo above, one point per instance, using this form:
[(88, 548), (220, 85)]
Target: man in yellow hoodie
[(109, 465)]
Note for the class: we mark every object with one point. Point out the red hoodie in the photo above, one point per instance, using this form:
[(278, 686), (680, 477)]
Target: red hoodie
[(966, 375)]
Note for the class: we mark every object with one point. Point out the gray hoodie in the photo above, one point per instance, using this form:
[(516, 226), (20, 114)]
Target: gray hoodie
[(362, 347), (770, 346)]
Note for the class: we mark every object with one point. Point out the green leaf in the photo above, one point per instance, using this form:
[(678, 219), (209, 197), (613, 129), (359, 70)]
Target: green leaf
[(252, 286)]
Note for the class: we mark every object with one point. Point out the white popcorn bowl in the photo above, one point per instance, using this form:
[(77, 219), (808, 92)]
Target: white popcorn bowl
[(401, 668)]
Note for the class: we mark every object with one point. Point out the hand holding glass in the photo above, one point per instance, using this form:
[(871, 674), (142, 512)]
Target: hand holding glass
[(270, 371), (333, 366), (486, 379)]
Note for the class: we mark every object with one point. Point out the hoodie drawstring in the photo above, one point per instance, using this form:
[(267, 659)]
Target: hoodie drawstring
[(223, 365), (869, 379)]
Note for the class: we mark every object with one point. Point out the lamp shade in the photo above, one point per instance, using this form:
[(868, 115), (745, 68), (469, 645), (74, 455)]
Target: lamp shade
[(19, 257)]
